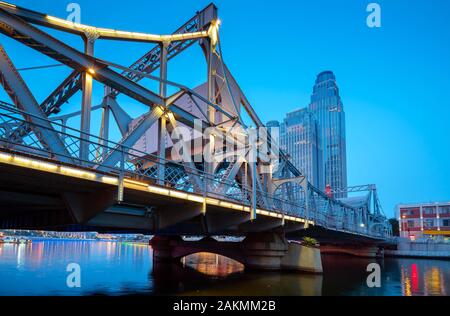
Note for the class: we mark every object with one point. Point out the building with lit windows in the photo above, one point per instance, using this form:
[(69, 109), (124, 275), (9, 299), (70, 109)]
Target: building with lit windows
[(424, 220)]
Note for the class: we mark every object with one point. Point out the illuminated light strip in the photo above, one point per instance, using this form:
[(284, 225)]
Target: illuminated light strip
[(68, 23), (35, 164), (212, 201), (158, 190), (262, 212), (77, 173), (5, 157), (8, 4), (179, 195), (196, 198), (225, 204), (142, 184), (110, 180), (237, 207), (131, 35), (272, 214)]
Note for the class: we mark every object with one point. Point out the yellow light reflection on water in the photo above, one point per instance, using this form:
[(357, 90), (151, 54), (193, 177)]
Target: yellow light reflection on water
[(433, 282), (212, 264)]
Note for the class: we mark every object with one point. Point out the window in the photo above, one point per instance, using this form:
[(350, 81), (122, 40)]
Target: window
[(408, 211), (446, 222), (429, 210), (411, 224), (444, 209), (428, 223)]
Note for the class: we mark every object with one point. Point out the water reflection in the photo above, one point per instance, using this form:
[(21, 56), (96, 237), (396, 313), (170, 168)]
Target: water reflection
[(39, 268), (114, 268), (212, 264), (424, 278)]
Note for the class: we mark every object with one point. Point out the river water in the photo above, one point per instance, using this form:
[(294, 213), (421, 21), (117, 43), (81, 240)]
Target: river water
[(114, 268)]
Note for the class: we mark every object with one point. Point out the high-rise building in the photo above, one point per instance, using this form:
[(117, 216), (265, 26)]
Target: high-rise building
[(299, 138), (327, 107)]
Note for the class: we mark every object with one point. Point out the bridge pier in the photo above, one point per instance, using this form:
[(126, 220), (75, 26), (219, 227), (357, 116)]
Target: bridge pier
[(258, 251)]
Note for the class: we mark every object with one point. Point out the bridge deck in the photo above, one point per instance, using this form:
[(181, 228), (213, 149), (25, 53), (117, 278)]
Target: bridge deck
[(85, 196)]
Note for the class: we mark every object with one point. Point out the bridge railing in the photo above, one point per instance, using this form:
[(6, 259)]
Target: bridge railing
[(132, 163)]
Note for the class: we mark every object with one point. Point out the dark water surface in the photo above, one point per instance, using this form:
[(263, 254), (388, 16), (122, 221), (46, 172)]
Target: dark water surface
[(125, 268)]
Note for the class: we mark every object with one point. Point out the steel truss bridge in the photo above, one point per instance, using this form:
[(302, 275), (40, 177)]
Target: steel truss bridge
[(72, 176)]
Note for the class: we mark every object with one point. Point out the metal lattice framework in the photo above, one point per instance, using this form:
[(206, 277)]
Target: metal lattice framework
[(35, 129)]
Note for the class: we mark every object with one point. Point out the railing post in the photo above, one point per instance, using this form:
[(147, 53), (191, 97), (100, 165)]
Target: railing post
[(254, 194), (304, 184), (204, 194), (121, 176)]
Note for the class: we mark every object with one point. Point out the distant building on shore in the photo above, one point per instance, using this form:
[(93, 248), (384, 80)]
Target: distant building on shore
[(420, 220)]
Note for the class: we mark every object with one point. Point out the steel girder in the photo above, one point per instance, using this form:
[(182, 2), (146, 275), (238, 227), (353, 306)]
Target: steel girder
[(356, 188), (70, 85), (53, 102), (31, 36), (25, 101), (122, 118), (21, 31), (151, 60), (103, 33)]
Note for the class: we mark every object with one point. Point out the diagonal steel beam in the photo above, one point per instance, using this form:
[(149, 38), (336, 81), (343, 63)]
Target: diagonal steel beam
[(53, 102), (122, 118), (31, 36), (22, 97), (231, 174), (70, 86), (191, 169), (131, 138)]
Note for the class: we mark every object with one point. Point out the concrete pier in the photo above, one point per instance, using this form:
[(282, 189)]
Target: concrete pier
[(259, 251), (302, 258)]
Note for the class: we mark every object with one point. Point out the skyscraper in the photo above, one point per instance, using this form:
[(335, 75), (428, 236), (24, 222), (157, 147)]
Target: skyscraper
[(299, 138), (327, 107)]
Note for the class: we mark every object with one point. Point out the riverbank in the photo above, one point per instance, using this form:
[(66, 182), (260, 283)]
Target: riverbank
[(420, 249)]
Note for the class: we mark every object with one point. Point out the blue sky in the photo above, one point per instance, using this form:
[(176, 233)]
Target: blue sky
[(394, 80)]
